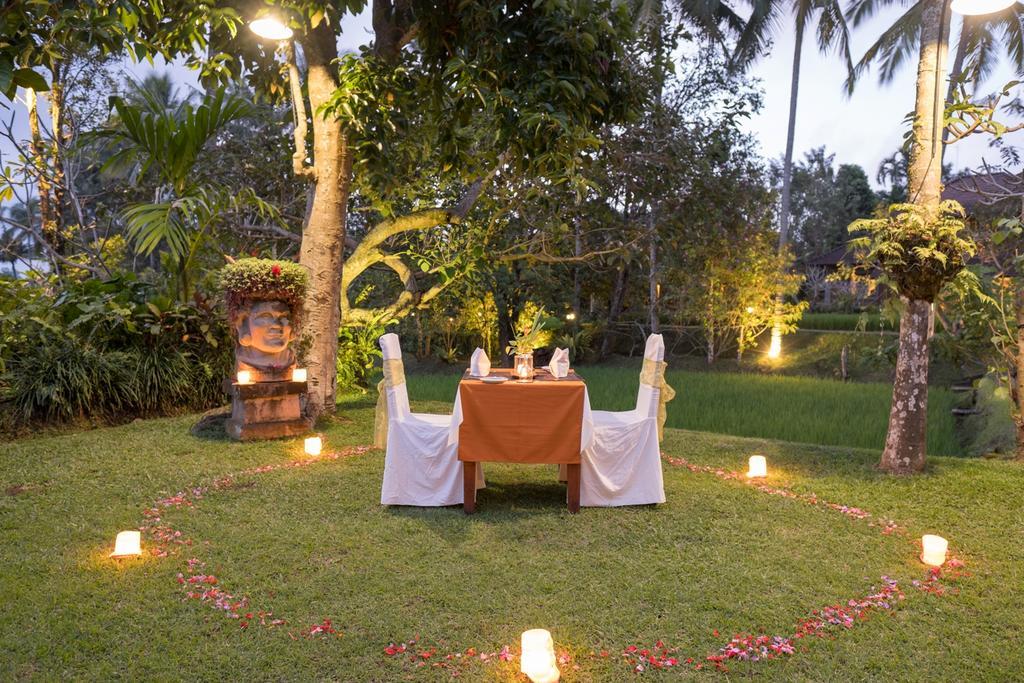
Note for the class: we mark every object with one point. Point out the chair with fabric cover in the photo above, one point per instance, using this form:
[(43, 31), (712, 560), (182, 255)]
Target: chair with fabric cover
[(420, 467), (623, 464)]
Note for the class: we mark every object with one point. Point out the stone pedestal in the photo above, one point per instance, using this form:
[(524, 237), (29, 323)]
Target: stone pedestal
[(266, 410)]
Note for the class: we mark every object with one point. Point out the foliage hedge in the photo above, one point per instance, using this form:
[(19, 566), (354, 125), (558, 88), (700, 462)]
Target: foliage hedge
[(106, 351)]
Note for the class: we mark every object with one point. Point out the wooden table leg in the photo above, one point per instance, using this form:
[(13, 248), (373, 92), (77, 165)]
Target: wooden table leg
[(469, 487), (573, 486)]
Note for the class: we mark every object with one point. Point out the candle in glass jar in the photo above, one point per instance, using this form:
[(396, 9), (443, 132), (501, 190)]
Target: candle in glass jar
[(244, 377), (299, 374), (933, 550)]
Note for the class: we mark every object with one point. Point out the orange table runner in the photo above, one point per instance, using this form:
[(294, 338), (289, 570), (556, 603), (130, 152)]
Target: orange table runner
[(534, 422)]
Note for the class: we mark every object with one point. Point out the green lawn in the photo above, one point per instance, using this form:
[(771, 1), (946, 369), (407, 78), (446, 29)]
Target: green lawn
[(799, 409), (312, 543)]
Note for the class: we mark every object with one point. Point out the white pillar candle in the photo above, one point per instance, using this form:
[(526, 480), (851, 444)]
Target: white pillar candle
[(244, 377), (933, 550), (314, 445), (299, 374), (127, 544), (537, 659), (757, 466)]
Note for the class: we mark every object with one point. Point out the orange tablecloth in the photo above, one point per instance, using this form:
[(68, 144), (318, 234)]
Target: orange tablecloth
[(534, 422)]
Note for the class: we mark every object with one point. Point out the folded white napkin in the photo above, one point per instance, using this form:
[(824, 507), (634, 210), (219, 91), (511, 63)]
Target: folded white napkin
[(479, 363), (559, 365)]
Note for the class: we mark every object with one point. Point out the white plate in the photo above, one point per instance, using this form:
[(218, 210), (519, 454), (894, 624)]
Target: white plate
[(494, 380)]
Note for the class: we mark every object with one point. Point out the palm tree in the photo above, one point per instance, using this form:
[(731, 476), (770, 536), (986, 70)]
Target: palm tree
[(753, 37), (925, 27), (982, 40)]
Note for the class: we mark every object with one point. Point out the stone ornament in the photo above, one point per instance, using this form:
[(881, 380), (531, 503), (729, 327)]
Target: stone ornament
[(264, 304)]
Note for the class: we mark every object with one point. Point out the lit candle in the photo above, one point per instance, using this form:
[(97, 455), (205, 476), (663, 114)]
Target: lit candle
[(299, 374), (127, 544), (933, 550), (314, 445), (537, 660), (522, 371), (244, 377), (758, 467)]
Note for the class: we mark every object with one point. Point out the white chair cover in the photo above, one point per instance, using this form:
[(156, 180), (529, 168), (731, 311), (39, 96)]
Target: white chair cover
[(622, 466), (420, 466)]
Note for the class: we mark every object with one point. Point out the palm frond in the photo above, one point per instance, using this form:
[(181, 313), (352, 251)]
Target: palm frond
[(893, 48)]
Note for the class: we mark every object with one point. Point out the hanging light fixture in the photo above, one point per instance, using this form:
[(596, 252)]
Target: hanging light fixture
[(973, 8), (270, 28)]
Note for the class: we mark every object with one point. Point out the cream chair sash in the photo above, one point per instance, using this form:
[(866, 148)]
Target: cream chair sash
[(394, 375), (652, 374)]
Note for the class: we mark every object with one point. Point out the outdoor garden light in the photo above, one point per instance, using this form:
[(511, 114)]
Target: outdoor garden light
[(976, 7), (127, 544), (270, 28), (244, 377), (570, 316), (750, 309), (538, 656), (314, 444), (775, 347), (757, 467), (299, 374), (933, 550)]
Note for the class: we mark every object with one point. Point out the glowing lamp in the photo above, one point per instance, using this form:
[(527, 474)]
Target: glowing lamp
[(933, 550), (270, 28), (314, 444), (127, 544), (299, 374), (245, 377), (976, 7), (757, 466), (775, 347), (538, 656), (570, 316), (523, 371)]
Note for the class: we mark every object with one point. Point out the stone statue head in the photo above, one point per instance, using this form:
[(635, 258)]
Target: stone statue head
[(265, 326), (264, 300)]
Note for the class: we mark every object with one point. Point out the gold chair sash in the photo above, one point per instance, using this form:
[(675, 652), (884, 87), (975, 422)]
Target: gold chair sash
[(394, 375), (653, 375)]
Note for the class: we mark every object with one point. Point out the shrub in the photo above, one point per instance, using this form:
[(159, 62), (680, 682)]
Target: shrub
[(60, 380), (357, 355), (106, 350)]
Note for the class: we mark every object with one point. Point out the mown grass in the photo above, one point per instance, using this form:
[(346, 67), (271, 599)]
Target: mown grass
[(867, 322), (313, 543), (799, 409)]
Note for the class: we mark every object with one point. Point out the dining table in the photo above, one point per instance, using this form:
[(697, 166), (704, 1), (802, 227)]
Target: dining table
[(546, 420)]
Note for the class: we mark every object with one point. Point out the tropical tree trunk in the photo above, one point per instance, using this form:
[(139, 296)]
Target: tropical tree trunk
[(1018, 394), (577, 280), (323, 237), (652, 275), (787, 183), (905, 443), (41, 167), (615, 306)]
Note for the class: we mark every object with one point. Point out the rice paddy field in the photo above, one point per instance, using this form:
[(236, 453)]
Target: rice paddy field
[(787, 408)]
